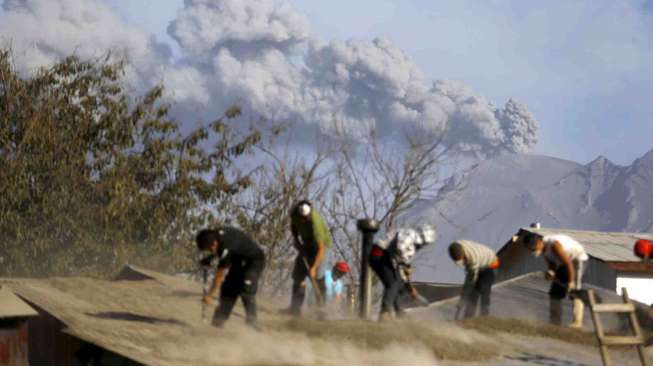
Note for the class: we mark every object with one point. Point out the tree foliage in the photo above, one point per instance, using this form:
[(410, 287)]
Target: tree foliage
[(91, 177)]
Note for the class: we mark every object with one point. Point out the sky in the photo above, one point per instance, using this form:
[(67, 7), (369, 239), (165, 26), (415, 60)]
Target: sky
[(584, 68)]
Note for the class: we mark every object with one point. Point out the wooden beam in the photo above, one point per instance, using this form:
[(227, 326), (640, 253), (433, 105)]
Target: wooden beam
[(621, 340), (614, 308), (634, 323), (635, 267), (598, 326)]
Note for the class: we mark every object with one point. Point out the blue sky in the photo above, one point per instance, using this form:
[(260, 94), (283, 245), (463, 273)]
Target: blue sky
[(584, 68)]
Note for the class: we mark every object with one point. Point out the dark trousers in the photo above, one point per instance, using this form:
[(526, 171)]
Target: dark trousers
[(392, 283), (482, 290), (242, 280), (299, 274), (559, 290)]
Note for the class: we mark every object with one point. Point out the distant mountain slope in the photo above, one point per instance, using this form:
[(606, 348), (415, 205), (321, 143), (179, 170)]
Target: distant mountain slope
[(498, 196)]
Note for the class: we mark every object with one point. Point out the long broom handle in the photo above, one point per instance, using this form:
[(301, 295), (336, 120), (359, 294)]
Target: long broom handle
[(318, 292)]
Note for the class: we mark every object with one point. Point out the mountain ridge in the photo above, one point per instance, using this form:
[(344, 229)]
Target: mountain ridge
[(501, 195)]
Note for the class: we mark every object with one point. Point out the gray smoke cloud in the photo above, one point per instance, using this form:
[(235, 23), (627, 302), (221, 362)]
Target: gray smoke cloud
[(262, 55)]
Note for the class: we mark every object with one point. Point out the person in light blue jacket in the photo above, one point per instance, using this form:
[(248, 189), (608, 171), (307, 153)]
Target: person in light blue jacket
[(331, 285)]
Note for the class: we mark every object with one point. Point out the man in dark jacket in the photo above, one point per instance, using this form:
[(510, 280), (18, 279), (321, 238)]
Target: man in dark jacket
[(244, 260)]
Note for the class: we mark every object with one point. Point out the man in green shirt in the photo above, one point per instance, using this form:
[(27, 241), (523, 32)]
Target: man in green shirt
[(312, 240)]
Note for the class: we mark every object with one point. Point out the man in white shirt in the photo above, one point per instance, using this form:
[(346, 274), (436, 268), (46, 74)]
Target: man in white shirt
[(391, 259), (566, 259)]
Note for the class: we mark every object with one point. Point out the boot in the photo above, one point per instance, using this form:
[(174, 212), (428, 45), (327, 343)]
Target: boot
[(578, 310), (555, 311)]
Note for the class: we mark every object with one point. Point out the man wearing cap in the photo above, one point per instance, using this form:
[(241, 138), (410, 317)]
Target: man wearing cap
[(480, 263), (391, 260), (244, 260), (312, 240), (566, 259)]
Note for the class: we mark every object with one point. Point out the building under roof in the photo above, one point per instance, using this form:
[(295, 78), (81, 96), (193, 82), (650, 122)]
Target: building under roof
[(612, 264), (143, 317), (14, 314)]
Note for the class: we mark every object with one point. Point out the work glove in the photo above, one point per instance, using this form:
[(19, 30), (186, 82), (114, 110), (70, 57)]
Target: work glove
[(550, 275)]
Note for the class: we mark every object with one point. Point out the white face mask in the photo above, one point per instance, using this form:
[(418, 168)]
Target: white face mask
[(460, 262), (304, 210)]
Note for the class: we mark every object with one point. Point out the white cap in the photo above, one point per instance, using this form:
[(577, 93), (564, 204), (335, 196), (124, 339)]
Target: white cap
[(304, 209)]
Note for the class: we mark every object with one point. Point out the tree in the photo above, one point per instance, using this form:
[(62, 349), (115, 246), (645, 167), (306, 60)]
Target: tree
[(379, 180), (92, 177)]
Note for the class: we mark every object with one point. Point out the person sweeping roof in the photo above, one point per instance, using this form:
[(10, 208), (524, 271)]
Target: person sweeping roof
[(331, 285), (566, 259), (312, 240), (391, 259), (243, 260), (480, 263)]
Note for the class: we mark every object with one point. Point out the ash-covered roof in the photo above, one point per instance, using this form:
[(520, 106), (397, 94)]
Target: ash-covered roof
[(526, 297), (146, 316), (13, 307), (606, 246)]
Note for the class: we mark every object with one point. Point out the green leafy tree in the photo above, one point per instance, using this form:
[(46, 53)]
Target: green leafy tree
[(91, 177)]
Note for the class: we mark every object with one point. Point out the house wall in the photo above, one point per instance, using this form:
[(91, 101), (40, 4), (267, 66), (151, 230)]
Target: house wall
[(515, 261), (48, 345), (640, 286), (598, 273), (13, 342)]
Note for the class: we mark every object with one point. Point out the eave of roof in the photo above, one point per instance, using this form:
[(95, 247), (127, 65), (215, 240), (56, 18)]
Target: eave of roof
[(11, 306)]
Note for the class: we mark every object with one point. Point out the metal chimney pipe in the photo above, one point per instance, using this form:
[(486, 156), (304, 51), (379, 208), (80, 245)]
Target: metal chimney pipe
[(536, 225), (368, 228)]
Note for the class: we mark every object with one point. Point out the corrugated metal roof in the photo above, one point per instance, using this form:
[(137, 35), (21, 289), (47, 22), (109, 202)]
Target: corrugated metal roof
[(11, 306), (606, 246)]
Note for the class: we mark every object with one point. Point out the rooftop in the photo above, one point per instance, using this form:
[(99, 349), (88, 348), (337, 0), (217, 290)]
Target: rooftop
[(13, 307), (526, 297)]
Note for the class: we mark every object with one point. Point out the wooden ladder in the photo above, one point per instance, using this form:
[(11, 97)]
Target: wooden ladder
[(637, 339)]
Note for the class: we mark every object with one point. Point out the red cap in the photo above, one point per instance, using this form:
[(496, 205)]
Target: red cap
[(643, 249), (342, 266)]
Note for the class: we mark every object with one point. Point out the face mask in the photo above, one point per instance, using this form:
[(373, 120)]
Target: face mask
[(460, 262)]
